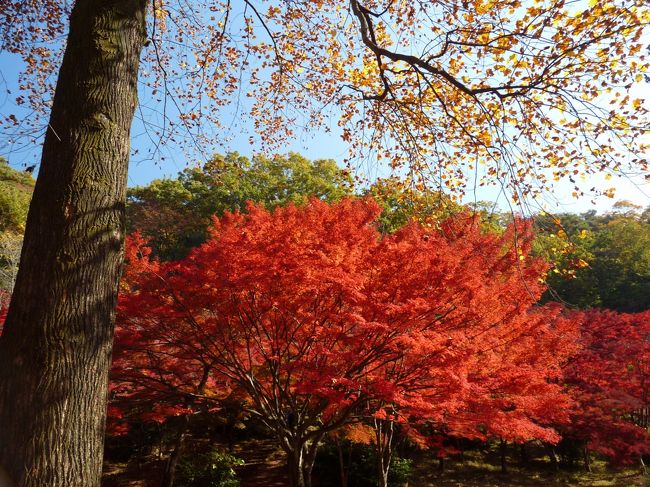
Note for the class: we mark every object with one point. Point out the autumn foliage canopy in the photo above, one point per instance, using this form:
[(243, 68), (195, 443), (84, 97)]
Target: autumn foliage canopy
[(499, 86), (313, 319), (318, 320)]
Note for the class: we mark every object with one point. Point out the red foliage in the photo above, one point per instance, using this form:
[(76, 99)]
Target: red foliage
[(5, 298), (318, 319), (609, 379)]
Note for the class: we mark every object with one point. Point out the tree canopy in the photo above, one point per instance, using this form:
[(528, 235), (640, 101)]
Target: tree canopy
[(521, 94), (321, 321), (600, 260), (608, 379), (458, 93), (174, 214)]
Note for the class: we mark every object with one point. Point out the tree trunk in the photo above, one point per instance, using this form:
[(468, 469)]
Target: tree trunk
[(310, 458), (523, 454), (555, 465), (300, 463), (295, 465), (342, 467), (56, 348), (384, 430), (587, 458), (170, 469), (503, 449)]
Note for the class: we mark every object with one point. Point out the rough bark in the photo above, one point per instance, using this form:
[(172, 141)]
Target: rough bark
[(56, 347)]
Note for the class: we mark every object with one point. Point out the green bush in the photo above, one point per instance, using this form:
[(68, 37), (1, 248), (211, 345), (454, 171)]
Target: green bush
[(214, 468), (400, 471)]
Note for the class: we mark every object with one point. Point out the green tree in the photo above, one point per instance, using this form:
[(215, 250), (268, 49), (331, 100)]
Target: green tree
[(175, 213), (599, 260), (404, 201), (621, 264)]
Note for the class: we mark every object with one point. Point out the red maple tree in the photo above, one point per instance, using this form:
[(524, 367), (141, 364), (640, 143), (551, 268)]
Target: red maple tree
[(609, 378), (321, 321)]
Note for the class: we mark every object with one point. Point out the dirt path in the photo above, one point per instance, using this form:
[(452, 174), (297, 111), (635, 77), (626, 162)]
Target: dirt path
[(264, 467)]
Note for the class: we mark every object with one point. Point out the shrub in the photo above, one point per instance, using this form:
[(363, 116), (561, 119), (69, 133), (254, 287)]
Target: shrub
[(214, 468)]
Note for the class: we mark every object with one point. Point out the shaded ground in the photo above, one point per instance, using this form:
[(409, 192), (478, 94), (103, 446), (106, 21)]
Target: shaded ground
[(264, 467), (476, 473), (264, 464), (133, 474)]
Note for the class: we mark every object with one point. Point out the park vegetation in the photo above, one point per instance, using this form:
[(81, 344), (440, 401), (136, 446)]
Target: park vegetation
[(455, 94), (383, 318)]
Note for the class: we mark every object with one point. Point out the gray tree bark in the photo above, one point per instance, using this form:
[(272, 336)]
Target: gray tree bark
[(56, 347)]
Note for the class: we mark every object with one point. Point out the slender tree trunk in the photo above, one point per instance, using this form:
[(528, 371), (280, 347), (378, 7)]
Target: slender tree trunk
[(295, 465), (552, 457), (342, 467), (503, 449), (587, 458), (310, 458), (56, 347), (384, 431), (170, 469), (523, 454), (301, 457)]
